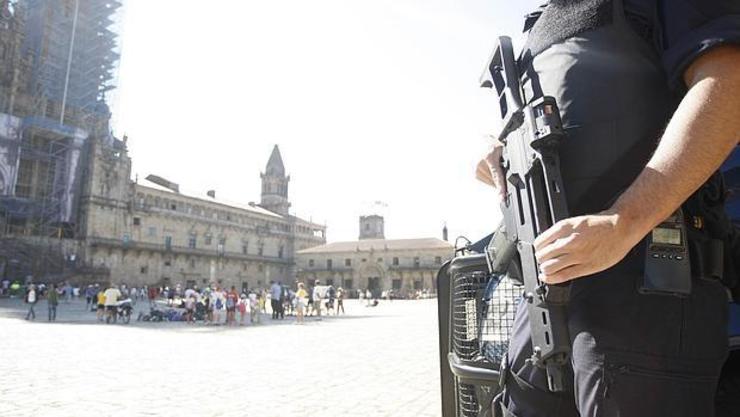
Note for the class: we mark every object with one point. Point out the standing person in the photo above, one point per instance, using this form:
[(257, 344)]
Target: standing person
[(31, 299), (300, 302), (275, 293), (67, 292), (254, 308), (132, 294), (232, 297), (283, 298), (263, 301), (190, 309), (340, 300), (100, 297), (241, 306), (309, 303), (627, 164), (330, 297), (317, 299), (89, 296), (218, 303), (152, 294), (112, 294), (170, 293), (207, 304), (52, 299)]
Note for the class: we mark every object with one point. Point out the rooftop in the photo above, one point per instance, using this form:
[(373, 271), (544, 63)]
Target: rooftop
[(194, 195), (367, 245)]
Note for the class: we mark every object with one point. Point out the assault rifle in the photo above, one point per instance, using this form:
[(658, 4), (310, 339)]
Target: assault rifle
[(534, 201)]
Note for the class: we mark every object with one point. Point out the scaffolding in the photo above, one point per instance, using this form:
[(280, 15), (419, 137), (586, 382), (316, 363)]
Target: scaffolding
[(74, 56), (63, 64)]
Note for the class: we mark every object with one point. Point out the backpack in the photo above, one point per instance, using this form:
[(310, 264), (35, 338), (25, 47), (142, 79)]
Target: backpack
[(219, 304), (229, 302)]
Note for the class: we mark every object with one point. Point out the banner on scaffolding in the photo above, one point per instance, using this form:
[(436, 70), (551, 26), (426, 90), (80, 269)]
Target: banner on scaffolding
[(9, 152)]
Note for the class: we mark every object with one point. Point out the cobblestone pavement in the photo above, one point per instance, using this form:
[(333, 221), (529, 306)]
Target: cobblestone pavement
[(380, 361)]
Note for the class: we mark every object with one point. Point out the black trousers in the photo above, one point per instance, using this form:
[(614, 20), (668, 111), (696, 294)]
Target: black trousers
[(275, 308), (634, 355)]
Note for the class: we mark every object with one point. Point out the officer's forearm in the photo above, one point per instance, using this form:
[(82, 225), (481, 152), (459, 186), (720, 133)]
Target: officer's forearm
[(700, 136)]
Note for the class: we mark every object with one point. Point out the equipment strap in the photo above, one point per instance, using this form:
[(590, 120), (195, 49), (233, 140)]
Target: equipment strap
[(707, 258)]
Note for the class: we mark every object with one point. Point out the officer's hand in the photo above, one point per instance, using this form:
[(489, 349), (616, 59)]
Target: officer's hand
[(490, 171), (580, 246)]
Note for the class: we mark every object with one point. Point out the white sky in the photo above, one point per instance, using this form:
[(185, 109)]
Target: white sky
[(367, 99)]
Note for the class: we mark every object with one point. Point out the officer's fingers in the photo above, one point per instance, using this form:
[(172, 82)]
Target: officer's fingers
[(555, 265), (499, 181), (556, 248), (558, 230), (566, 274), (483, 173)]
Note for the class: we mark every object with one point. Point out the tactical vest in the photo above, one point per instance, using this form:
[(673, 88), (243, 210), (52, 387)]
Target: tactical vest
[(615, 101)]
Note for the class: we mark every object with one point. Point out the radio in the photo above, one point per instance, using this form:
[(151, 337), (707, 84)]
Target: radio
[(667, 263)]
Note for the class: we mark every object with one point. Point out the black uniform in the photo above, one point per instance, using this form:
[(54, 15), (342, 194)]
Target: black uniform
[(616, 72)]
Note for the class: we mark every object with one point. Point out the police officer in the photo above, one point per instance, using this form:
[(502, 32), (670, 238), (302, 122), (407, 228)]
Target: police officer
[(649, 93)]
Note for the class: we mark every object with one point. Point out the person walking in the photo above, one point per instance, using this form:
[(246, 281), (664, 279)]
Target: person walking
[(52, 299), (31, 299)]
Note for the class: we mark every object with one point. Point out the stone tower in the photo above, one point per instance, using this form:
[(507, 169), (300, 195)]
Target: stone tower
[(275, 184), (372, 227)]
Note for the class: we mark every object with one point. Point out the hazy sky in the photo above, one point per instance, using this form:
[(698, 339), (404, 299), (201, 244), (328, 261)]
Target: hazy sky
[(367, 99)]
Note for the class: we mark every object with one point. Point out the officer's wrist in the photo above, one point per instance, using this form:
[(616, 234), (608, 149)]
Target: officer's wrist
[(630, 223)]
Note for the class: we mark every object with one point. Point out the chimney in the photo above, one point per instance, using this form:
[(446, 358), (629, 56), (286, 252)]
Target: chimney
[(211, 193)]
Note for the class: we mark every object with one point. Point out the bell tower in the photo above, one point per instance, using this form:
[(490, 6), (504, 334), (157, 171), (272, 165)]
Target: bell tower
[(275, 184), (372, 227)]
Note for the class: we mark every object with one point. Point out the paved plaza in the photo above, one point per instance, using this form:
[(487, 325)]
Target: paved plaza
[(375, 361)]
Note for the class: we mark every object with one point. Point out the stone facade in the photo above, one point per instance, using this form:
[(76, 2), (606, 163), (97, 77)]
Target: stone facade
[(404, 265), (149, 234)]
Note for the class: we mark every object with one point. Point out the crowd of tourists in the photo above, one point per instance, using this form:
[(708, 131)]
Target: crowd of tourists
[(214, 305), (211, 305)]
